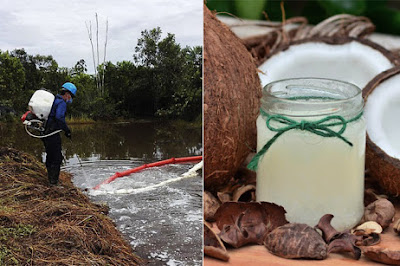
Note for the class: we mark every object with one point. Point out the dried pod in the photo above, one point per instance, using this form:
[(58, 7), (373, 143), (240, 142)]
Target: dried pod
[(295, 241), (213, 245), (382, 255), (396, 227), (341, 245), (244, 223), (373, 239), (366, 239), (211, 205), (272, 215), (324, 224), (369, 227), (224, 196), (338, 242), (381, 211), (216, 253), (244, 231), (244, 193)]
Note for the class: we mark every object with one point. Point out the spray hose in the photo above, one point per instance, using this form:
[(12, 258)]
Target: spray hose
[(44, 136), (39, 137)]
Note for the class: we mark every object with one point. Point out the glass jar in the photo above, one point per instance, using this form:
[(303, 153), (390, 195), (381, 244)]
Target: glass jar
[(314, 162)]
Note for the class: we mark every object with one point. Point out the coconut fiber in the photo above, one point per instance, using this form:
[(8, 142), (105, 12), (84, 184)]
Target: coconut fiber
[(231, 102), (43, 225)]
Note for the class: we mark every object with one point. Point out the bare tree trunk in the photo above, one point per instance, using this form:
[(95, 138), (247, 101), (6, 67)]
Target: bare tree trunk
[(98, 58), (89, 30), (99, 79), (105, 52)]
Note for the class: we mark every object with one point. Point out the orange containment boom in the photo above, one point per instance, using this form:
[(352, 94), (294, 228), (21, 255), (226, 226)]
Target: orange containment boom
[(145, 166)]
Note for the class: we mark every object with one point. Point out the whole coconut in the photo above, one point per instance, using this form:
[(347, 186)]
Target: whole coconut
[(231, 102)]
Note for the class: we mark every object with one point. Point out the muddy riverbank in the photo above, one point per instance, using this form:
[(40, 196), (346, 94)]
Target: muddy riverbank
[(42, 225)]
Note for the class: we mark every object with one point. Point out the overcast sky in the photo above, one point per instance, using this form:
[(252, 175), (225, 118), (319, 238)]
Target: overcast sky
[(58, 28)]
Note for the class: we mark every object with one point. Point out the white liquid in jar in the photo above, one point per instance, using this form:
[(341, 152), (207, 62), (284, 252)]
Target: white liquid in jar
[(310, 175)]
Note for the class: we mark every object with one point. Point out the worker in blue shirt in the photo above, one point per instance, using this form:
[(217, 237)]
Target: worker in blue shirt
[(56, 121)]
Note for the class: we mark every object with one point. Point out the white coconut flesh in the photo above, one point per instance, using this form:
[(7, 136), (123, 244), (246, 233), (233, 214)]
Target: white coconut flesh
[(353, 62), (382, 112)]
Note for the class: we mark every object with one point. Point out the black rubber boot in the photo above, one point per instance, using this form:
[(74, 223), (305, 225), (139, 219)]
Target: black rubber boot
[(53, 173)]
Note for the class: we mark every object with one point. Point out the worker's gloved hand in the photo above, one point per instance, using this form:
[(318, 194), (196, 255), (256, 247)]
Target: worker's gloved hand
[(68, 134)]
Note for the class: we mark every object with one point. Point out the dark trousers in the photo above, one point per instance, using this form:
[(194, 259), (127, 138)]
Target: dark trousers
[(52, 145), (54, 157)]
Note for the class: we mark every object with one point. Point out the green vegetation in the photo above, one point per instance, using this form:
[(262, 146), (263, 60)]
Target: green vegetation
[(4, 208), (19, 230), (6, 257), (162, 80), (383, 13), (10, 234)]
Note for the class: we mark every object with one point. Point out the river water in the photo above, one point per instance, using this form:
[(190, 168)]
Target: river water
[(158, 210)]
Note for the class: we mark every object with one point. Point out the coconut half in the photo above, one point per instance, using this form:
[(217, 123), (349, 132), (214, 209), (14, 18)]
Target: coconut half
[(382, 112), (348, 59), (231, 102)]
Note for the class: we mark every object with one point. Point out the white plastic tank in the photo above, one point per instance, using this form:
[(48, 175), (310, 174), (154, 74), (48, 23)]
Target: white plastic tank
[(40, 103)]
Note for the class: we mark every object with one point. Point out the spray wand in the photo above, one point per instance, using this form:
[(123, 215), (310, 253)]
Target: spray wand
[(77, 156)]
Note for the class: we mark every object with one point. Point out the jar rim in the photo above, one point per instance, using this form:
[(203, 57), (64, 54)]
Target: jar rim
[(311, 96)]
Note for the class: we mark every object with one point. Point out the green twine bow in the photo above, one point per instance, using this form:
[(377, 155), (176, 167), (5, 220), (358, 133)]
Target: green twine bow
[(320, 127)]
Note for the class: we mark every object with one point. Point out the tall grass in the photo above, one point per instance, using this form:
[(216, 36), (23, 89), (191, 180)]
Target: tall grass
[(79, 120)]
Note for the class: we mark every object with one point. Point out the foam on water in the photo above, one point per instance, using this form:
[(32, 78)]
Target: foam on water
[(159, 210), (144, 186)]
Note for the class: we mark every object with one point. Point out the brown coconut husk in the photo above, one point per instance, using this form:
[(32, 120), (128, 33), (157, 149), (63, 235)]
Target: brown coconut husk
[(336, 40), (43, 225), (343, 40), (232, 91), (380, 165), (296, 29)]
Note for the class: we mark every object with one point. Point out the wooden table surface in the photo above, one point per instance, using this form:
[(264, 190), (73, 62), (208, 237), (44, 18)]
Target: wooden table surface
[(256, 255)]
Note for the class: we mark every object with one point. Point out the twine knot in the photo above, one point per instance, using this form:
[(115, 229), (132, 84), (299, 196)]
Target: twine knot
[(322, 127), (303, 124)]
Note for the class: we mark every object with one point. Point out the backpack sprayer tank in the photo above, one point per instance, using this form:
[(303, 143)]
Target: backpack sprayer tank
[(39, 109), (40, 104)]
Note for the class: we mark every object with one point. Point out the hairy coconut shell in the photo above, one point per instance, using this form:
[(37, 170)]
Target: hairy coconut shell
[(334, 29), (262, 56), (232, 91), (381, 166)]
